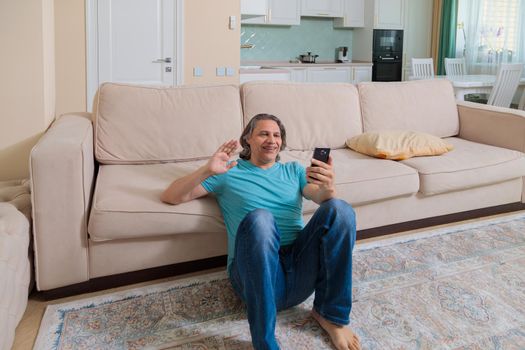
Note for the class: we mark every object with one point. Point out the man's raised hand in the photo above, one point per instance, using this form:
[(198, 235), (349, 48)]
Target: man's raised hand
[(218, 163)]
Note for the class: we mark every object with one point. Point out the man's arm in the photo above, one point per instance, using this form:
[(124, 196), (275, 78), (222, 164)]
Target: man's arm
[(189, 187), (321, 180)]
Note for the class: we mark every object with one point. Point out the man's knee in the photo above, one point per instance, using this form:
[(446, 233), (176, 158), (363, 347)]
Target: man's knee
[(340, 208), (259, 227)]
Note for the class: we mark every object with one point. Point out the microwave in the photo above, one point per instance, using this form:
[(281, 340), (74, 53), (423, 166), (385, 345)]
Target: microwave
[(388, 40)]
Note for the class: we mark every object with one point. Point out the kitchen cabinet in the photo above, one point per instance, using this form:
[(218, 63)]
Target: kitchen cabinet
[(253, 8), (279, 12), (322, 8), (389, 14), (329, 75), (281, 76), (361, 73), (353, 15)]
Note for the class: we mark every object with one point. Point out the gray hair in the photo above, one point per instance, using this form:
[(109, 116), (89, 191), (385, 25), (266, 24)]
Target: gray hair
[(248, 130)]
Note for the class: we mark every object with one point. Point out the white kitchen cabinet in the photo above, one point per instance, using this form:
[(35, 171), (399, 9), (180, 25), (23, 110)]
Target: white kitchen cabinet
[(329, 75), (389, 14), (322, 8), (361, 73), (253, 8), (281, 76), (353, 15), (279, 12)]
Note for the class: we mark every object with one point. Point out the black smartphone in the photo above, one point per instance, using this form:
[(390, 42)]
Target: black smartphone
[(321, 154)]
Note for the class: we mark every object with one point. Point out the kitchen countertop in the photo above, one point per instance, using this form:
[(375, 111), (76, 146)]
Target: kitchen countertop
[(272, 64)]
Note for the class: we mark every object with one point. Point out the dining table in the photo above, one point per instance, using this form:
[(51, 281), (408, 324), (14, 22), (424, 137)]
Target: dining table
[(469, 83)]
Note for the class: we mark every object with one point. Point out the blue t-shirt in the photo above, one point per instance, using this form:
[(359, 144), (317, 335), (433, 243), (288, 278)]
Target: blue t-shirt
[(247, 187)]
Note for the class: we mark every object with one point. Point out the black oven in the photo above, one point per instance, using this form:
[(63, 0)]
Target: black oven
[(387, 67), (387, 55)]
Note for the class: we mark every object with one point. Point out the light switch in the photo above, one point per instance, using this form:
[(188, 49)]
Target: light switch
[(197, 71), (233, 22), (230, 72), (220, 71)]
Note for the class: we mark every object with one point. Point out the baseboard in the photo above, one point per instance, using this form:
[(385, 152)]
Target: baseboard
[(122, 279)]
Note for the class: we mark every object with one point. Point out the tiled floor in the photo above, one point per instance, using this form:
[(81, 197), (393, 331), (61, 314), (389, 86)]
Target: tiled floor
[(28, 328)]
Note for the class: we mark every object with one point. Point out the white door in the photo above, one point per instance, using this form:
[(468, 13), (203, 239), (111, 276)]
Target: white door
[(134, 41)]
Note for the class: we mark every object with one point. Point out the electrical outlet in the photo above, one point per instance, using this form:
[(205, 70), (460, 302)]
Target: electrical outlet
[(230, 72), (197, 71), (220, 71)]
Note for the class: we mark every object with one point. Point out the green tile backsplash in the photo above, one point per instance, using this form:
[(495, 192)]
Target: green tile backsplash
[(282, 43)]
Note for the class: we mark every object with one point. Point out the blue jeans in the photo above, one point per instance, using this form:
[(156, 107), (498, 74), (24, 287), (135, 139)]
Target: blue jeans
[(269, 278)]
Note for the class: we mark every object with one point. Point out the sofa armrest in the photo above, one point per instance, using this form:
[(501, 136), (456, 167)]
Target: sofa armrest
[(62, 170), (496, 126)]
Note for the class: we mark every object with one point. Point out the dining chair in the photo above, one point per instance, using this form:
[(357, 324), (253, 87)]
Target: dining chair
[(521, 105), (455, 66), (506, 85), (422, 67)]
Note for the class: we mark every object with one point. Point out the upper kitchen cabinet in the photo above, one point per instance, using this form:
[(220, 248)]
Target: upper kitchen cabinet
[(353, 14), (279, 12), (389, 14), (250, 8), (322, 8)]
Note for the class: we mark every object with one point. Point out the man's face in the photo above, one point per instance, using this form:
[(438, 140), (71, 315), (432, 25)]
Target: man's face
[(265, 142)]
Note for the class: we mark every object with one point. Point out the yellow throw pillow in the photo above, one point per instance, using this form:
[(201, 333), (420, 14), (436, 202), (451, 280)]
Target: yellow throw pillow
[(398, 144)]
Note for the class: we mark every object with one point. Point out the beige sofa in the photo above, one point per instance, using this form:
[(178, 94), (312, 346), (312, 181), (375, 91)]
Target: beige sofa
[(96, 179)]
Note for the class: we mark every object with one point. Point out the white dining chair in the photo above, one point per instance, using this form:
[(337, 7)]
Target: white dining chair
[(522, 101), (506, 85), (422, 67), (455, 66)]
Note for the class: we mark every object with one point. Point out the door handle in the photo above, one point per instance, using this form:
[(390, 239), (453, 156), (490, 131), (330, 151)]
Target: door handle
[(386, 58), (163, 60)]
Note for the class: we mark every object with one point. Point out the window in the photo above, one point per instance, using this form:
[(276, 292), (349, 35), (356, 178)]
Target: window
[(490, 32), (499, 24)]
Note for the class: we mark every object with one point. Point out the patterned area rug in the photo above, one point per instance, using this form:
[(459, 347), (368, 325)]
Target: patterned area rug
[(456, 288)]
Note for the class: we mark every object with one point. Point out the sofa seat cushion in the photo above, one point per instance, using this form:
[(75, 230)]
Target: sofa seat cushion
[(127, 204), (469, 165), (361, 179)]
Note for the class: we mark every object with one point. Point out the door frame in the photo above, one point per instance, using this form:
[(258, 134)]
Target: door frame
[(92, 48)]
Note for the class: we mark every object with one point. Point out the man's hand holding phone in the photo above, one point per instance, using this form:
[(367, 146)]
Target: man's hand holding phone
[(321, 172)]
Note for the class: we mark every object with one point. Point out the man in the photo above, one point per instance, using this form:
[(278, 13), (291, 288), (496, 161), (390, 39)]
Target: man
[(274, 261)]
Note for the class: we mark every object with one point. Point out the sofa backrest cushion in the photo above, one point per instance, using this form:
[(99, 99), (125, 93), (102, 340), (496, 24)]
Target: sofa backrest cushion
[(314, 115), (140, 125), (420, 105)]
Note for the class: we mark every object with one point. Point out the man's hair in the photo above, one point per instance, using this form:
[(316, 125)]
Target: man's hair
[(248, 130)]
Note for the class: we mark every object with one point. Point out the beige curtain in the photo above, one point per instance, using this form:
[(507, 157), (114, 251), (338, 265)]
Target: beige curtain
[(436, 20)]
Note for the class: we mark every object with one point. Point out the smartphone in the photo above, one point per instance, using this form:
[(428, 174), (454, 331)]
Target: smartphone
[(321, 154)]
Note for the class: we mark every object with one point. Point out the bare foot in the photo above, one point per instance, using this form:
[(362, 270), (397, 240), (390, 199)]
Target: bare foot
[(342, 337)]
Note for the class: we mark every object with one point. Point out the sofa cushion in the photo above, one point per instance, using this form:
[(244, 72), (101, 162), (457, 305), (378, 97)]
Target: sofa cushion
[(138, 124), (398, 144), (420, 105), (469, 165), (314, 115), (361, 179), (126, 203)]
